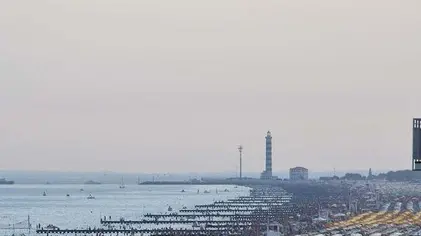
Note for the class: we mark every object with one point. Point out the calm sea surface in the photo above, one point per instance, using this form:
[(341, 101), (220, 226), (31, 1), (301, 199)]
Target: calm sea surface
[(76, 211)]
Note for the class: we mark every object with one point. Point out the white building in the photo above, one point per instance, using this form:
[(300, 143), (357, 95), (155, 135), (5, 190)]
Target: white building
[(298, 173)]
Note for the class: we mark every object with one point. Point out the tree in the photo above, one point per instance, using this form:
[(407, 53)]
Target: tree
[(353, 176)]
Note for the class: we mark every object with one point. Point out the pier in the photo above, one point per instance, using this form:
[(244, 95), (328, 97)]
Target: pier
[(165, 231)]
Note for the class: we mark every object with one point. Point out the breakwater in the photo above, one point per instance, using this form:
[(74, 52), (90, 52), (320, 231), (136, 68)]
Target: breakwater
[(230, 181)]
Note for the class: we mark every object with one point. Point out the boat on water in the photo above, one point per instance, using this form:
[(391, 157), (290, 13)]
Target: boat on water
[(182, 191), (91, 197), (67, 195), (169, 208), (44, 194), (206, 191), (226, 190), (92, 182), (5, 181), (51, 227), (122, 183)]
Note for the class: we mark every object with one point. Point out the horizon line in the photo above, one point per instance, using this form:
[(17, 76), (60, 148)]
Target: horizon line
[(192, 172)]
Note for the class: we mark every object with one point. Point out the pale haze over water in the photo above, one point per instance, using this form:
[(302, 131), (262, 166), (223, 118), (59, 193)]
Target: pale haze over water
[(175, 86)]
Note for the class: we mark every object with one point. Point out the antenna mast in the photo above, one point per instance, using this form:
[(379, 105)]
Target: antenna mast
[(240, 149)]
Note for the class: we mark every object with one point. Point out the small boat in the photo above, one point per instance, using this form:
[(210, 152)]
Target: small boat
[(82, 190), (198, 191), (67, 195), (182, 191), (4, 181), (122, 183), (91, 197), (184, 207), (206, 191), (44, 194), (226, 190), (169, 208), (92, 182), (51, 227)]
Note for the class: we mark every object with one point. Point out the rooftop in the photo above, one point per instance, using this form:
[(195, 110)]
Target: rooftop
[(298, 168)]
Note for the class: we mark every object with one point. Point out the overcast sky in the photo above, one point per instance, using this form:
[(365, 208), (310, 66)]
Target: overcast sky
[(173, 86)]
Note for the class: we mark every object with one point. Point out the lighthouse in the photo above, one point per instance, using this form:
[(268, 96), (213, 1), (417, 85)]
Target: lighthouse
[(267, 173), (269, 154)]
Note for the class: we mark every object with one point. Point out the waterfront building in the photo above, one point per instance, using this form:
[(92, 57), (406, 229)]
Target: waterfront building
[(298, 173), (416, 144)]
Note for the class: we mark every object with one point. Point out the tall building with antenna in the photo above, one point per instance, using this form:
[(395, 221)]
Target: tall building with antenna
[(267, 173), (416, 144)]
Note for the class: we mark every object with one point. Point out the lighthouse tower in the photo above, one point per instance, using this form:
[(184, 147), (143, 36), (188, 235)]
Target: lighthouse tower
[(269, 154), (267, 173)]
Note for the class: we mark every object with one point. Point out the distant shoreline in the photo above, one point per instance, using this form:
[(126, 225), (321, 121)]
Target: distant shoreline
[(55, 177)]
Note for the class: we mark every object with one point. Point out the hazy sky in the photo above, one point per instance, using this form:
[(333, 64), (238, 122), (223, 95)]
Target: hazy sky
[(172, 86)]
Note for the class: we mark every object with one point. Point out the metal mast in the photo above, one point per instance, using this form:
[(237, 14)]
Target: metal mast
[(240, 149)]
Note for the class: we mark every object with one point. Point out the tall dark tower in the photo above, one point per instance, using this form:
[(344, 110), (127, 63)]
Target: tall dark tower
[(268, 155), (416, 144), (240, 149)]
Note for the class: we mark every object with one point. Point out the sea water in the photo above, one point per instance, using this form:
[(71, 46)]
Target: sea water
[(17, 202)]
